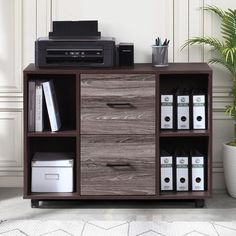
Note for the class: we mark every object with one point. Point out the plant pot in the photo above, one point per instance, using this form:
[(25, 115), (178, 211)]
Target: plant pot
[(229, 163)]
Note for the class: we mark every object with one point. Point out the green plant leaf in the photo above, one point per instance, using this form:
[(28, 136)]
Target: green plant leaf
[(215, 10), (225, 50)]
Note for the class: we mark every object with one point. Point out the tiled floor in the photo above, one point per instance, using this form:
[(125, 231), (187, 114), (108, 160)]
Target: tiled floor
[(118, 218), (115, 228)]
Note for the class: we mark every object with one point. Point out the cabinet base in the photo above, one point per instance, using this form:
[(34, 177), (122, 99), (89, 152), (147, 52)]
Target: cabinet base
[(199, 203), (34, 203)]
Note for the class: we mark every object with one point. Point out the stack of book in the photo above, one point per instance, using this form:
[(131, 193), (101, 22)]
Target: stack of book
[(183, 110), (183, 170), (37, 92)]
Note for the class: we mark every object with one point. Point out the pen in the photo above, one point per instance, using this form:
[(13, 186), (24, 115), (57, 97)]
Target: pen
[(164, 44)]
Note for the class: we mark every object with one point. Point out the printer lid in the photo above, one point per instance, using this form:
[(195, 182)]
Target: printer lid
[(77, 39), (80, 28), (53, 159)]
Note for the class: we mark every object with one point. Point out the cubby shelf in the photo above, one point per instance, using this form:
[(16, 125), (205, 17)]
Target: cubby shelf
[(54, 196), (66, 133), (185, 195), (185, 133)]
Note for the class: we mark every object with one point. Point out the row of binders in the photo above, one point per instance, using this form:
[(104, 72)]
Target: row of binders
[(183, 171), (182, 111), (40, 92)]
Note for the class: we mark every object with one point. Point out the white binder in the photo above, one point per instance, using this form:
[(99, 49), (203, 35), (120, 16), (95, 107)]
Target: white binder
[(167, 112), (52, 106), (199, 116), (166, 173), (39, 124), (198, 173), (183, 112), (182, 173)]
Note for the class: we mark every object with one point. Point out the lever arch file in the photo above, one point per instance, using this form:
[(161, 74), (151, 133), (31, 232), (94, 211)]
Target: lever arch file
[(182, 172), (183, 112), (198, 180), (39, 124), (199, 112), (167, 112), (31, 106), (166, 171)]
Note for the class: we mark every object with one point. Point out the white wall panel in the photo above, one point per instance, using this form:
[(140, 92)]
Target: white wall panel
[(29, 30), (10, 46), (196, 29), (126, 20), (181, 29), (165, 24), (11, 141), (43, 17), (11, 97), (11, 181)]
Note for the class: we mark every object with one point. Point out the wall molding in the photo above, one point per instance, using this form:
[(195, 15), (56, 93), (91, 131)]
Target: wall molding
[(12, 157), (18, 85)]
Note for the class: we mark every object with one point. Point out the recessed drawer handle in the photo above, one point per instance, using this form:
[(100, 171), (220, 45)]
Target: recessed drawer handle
[(118, 164), (120, 105)]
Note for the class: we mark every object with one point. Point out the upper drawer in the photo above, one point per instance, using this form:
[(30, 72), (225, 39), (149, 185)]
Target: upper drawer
[(117, 103)]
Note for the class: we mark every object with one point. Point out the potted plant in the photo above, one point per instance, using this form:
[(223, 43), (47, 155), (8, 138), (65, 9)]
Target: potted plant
[(225, 55)]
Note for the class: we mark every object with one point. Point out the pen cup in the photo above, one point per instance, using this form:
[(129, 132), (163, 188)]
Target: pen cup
[(159, 56)]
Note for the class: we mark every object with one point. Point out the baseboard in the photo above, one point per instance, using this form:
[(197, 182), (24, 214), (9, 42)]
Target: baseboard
[(11, 181)]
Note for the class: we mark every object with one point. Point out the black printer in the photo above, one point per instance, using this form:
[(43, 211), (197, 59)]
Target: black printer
[(75, 44)]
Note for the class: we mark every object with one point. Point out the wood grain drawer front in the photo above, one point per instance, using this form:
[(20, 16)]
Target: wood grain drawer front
[(117, 104), (117, 165)]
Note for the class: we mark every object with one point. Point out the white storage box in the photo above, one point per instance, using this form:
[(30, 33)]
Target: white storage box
[(52, 172)]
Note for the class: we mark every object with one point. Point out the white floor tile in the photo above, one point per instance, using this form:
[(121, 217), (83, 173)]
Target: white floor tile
[(43, 227), (94, 230), (12, 232), (107, 224), (225, 229), (150, 233)]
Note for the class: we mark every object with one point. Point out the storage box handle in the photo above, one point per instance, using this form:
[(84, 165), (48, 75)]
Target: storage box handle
[(51, 176)]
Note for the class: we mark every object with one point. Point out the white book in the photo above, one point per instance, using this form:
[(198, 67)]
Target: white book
[(167, 112), (38, 106), (199, 116), (183, 112), (52, 106), (198, 173), (31, 106), (166, 173), (182, 170)]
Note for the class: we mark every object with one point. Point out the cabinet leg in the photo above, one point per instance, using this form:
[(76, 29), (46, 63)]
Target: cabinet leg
[(34, 203), (199, 203)]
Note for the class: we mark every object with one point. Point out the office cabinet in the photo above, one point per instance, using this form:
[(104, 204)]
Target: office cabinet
[(111, 121)]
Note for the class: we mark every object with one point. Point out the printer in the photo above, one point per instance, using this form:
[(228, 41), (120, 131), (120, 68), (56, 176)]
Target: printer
[(75, 44)]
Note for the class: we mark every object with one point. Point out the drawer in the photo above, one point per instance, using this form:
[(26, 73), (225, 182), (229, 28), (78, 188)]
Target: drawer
[(115, 103), (118, 165)]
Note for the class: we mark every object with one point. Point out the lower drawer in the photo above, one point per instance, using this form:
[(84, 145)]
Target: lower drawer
[(117, 165)]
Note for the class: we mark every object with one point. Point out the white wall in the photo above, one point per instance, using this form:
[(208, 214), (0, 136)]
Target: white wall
[(22, 21)]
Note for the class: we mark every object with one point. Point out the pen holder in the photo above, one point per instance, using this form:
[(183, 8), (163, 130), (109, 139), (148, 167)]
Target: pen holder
[(159, 56)]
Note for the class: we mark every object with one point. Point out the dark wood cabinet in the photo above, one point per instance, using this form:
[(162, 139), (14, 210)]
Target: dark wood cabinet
[(111, 121)]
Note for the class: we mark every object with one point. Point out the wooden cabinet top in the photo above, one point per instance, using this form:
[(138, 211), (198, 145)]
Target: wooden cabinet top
[(173, 68)]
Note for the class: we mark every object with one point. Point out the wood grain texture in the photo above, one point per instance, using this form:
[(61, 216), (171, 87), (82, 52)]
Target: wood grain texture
[(99, 179), (98, 90)]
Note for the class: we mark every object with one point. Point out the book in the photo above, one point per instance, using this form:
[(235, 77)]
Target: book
[(166, 171), (52, 105), (31, 106), (38, 106)]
